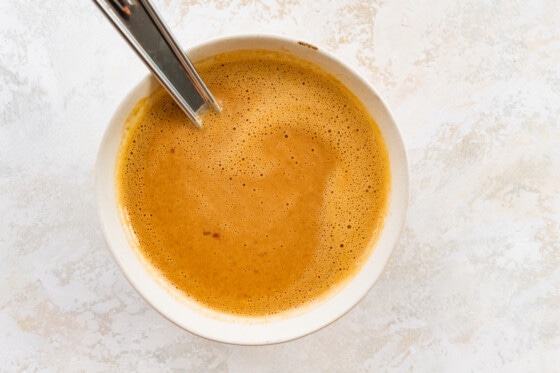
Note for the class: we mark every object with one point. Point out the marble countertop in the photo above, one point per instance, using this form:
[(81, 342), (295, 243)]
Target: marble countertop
[(473, 285)]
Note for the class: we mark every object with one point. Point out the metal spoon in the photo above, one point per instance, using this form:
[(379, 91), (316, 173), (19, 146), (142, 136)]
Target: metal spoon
[(144, 30)]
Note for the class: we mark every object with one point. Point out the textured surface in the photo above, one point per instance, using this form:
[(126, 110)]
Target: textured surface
[(474, 284)]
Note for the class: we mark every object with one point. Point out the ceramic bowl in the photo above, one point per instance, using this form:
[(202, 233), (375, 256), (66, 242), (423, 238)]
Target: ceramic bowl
[(239, 330)]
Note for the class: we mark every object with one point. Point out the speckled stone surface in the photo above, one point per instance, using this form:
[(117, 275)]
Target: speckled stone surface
[(474, 284)]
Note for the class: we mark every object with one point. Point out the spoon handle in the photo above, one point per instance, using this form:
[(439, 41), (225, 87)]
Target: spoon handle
[(143, 28)]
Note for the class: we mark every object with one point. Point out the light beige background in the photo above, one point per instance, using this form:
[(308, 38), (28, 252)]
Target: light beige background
[(474, 284)]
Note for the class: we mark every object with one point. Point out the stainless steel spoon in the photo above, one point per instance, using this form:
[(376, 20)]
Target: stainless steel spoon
[(143, 28)]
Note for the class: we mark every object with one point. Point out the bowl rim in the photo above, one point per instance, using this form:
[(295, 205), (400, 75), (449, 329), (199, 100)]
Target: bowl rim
[(247, 331)]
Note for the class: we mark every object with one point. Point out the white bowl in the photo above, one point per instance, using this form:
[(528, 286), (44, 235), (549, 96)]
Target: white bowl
[(238, 330)]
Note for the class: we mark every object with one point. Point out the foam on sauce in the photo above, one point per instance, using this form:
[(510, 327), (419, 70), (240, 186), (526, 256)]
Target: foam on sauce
[(272, 204)]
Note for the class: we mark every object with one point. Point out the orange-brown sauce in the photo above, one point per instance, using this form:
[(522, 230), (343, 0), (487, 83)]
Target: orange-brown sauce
[(273, 203)]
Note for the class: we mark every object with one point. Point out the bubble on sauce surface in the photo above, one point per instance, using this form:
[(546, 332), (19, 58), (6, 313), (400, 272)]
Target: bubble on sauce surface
[(247, 172)]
